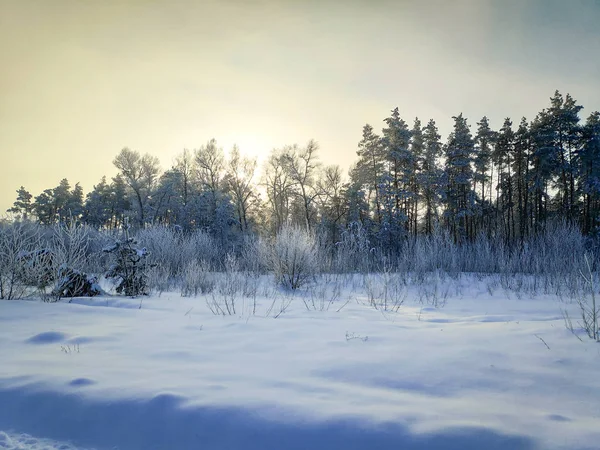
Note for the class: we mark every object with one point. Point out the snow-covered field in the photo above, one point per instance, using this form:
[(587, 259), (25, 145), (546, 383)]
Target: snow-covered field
[(483, 372)]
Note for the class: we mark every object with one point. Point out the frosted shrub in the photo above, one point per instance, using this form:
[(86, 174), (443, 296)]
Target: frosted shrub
[(164, 246), (196, 278), (201, 245), (294, 257), (70, 249), (159, 279), (353, 250), (229, 284), (254, 256), (21, 260), (174, 250)]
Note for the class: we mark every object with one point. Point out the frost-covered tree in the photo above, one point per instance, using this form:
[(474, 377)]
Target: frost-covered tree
[(564, 117), (521, 158), (279, 187), (302, 166), (400, 163), (370, 168), (417, 148), (431, 175), (503, 154), (140, 173), (97, 205), (483, 172), (588, 162), (460, 197), (239, 177), (331, 202)]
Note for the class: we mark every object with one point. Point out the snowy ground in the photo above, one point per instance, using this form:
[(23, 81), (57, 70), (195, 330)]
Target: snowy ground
[(475, 374)]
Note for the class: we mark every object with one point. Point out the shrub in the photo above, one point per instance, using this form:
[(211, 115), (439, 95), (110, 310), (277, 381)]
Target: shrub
[(74, 283), (130, 267), (21, 262), (294, 257), (196, 278)]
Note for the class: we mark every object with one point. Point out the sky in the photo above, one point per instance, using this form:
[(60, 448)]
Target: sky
[(80, 80)]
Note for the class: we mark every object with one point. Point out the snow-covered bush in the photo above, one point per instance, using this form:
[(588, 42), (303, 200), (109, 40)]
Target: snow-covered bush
[(74, 283), (22, 261), (294, 257), (589, 309), (254, 255), (200, 245), (353, 251), (69, 246), (164, 246), (228, 287), (173, 250), (159, 279), (196, 278), (130, 267)]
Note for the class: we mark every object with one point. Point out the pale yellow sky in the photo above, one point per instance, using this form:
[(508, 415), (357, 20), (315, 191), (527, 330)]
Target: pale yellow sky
[(79, 80)]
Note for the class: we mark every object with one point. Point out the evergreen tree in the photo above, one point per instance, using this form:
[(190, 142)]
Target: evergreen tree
[(417, 148), (43, 207), (484, 144), (589, 173), (97, 212), (369, 168), (563, 115), (460, 197), (397, 187), (503, 155), (430, 177), (22, 207), (522, 150)]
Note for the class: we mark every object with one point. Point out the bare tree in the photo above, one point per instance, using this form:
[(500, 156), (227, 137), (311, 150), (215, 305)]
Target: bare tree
[(210, 163), (184, 165), (240, 172), (279, 188), (330, 198), (302, 167), (140, 174)]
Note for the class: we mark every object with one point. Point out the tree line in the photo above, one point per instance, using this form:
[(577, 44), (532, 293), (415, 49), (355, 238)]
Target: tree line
[(506, 184)]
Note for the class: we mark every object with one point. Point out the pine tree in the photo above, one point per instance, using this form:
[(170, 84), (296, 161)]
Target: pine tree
[(22, 206), (417, 148), (588, 159), (97, 212), (370, 168), (43, 207), (503, 156), (564, 119), (522, 150), (460, 197), (430, 176), (484, 144), (400, 162)]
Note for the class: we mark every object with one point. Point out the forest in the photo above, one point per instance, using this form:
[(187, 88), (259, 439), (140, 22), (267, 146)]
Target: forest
[(496, 198), (507, 184)]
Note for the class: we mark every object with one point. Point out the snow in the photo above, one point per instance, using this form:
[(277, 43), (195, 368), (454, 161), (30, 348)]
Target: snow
[(490, 371)]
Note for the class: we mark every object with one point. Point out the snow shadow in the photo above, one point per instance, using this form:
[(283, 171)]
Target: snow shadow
[(47, 337), (165, 422)]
